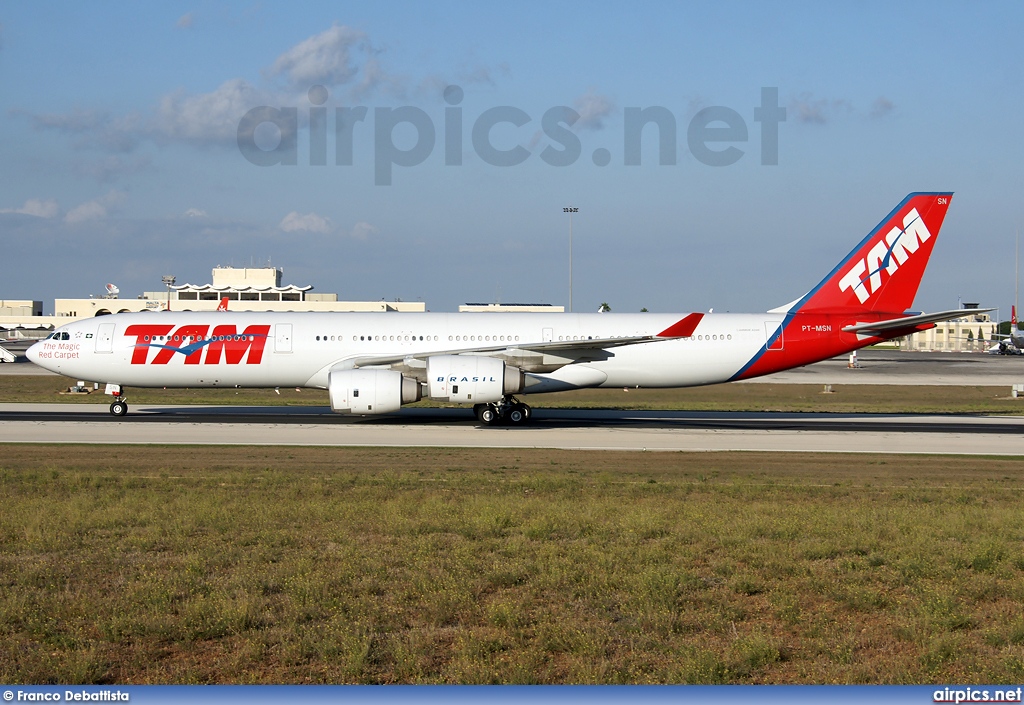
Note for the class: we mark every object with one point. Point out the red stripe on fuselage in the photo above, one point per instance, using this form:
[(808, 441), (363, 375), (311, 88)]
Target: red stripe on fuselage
[(812, 337)]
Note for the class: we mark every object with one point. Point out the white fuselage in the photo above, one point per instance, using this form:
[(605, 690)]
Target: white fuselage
[(300, 349)]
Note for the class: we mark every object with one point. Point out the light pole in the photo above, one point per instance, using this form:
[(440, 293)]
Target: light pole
[(570, 210), (168, 282)]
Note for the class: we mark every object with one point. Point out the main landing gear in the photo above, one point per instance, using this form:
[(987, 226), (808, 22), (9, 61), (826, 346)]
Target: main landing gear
[(509, 410)]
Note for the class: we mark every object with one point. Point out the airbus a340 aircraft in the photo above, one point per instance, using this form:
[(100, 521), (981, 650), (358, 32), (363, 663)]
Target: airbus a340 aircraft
[(373, 363)]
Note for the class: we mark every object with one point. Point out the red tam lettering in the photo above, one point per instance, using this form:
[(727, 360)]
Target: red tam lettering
[(141, 333), (234, 345), (186, 337)]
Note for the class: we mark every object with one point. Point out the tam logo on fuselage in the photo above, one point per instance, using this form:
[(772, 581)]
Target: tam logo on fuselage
[(887, 255), (225, 342)]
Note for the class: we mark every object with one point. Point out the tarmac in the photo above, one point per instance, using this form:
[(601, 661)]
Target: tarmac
[(574, 429)]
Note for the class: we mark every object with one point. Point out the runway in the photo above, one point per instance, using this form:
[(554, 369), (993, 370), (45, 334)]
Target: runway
[(551, 428), (564, 428)]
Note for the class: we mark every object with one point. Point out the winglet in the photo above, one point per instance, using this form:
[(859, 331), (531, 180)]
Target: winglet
[(682, 328)]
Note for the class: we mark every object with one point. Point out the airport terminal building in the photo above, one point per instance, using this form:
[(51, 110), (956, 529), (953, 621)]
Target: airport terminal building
[(248, 289), (972, 333)]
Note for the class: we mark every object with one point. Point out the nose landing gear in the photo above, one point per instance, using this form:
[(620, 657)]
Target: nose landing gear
[(509, 411), (119, 407)]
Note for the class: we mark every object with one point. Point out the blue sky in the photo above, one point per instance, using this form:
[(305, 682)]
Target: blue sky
[(120, 158)]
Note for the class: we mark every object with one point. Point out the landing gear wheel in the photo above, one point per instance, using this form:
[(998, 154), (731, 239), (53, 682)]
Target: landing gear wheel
[(119, 408), (527, 412), (517, 415), (487, 415)]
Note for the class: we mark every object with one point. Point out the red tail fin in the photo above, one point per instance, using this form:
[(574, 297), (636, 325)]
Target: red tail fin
[(1013, 317), (223, 304), (883, 272)]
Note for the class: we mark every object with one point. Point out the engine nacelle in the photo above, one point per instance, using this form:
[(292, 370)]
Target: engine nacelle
[(471, 379), (365, 392)]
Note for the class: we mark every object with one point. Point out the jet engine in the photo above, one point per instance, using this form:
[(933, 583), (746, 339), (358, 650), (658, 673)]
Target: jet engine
[(364, 392), (471, 379)]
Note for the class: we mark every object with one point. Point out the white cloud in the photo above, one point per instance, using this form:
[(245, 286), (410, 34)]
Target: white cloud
[(323, 58), (90, 210), (363, 230), (593, 109), (93, 128), (95, 209), (376, 78), (186, 21), (37, 207), (195, 213), (208, 117), (339, 55), (309, 222)]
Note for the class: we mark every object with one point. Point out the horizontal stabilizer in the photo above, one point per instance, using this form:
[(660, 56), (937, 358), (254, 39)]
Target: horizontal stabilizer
[(910, 323)]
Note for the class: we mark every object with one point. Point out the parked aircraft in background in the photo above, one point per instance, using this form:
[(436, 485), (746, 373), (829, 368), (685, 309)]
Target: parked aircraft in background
[(1013, 343), (373, 363)]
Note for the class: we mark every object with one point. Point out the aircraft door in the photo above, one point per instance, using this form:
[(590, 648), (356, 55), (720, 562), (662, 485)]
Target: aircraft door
[(105, 338), (547, 335), (283, 338), (773, 335)]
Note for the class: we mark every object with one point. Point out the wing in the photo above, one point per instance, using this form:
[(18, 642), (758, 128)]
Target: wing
[(539, 356)]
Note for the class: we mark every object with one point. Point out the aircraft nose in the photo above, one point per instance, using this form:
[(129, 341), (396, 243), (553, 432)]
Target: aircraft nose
[(33, 352)]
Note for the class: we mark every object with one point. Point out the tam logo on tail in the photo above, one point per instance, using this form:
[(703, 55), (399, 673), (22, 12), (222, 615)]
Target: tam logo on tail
[(886, 256), (883, 272)]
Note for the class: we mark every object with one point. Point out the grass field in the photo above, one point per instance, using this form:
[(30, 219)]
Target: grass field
[(726, 397), (151, 564)]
